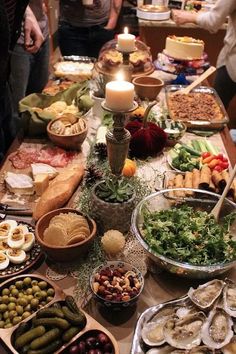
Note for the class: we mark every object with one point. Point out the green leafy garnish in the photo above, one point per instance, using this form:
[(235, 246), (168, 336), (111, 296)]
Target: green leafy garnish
[(188, 235)]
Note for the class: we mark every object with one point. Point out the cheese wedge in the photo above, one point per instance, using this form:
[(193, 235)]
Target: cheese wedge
[(41, 183), (19, 183), (43, 168)]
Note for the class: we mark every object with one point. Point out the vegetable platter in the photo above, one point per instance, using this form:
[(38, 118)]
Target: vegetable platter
[(195, 154), (56, 327)]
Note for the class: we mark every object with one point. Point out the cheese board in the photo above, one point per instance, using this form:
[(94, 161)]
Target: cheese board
[(59, 303), (34, 157)]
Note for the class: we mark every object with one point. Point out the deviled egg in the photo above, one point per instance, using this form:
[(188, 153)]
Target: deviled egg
[(4, 246), (6, 228), (16, 238), (29, 241), (16, 256), (4, 261)]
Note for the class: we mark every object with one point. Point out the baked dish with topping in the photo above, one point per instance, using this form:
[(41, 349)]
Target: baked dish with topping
[(75, 71), (195, 106)]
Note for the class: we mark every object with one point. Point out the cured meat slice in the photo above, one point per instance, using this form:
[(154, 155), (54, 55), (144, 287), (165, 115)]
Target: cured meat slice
[(55, 157)]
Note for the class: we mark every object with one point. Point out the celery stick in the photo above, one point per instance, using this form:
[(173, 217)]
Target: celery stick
[(211, 148)]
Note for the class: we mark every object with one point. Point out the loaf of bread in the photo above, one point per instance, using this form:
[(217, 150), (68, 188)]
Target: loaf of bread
[(59, 191)]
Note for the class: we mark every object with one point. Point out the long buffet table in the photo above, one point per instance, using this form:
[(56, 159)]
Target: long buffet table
[(159, 285)]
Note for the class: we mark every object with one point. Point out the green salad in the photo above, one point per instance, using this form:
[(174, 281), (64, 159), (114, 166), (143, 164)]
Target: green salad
[(188, 235)]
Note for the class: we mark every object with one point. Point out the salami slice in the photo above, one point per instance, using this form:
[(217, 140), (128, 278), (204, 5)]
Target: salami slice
[(55, 157)]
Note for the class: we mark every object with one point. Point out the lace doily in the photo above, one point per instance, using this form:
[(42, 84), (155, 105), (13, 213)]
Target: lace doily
[(133, 253)]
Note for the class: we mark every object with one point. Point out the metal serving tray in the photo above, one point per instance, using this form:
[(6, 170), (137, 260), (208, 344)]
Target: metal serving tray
[(200, 124), (138, 346)]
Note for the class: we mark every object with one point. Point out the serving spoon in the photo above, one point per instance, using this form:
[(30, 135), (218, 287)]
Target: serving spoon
[(216, 210), (196, 82)]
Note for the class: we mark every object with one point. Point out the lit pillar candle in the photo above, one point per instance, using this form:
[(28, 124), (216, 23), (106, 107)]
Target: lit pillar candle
[(119, 95), (126, 42)]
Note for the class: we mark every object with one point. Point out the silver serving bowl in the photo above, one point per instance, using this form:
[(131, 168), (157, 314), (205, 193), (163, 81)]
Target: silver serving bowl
[(202, 200)]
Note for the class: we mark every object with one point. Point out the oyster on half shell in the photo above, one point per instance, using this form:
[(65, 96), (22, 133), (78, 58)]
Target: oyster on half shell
[(184, 333), (229, 298), (217, 329), (205, 295), (152, 332), (167, 349)]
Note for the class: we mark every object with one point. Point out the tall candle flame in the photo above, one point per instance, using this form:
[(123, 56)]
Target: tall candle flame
[(126, 30), (119, 77)]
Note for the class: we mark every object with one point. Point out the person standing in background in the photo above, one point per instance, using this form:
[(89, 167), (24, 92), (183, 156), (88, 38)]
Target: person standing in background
[(225, 80), (30, 70), (84, 29), (11, 16)]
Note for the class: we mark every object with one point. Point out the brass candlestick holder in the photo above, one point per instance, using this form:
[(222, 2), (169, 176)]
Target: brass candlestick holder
[(118, 139), (126, 68)]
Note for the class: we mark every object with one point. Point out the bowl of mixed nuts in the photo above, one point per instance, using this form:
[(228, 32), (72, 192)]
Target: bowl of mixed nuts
[(116, 284)]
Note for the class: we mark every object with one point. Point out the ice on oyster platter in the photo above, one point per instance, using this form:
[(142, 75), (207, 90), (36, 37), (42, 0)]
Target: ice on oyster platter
[(202, 323)]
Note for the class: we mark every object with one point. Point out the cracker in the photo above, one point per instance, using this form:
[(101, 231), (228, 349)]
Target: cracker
[(55, 236)]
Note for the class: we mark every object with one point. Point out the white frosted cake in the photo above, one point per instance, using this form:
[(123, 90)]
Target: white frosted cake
[(184, 48)]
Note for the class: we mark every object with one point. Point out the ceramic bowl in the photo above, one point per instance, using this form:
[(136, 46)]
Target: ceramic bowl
[(147, 87), (73, 141), (175, 130), (108, 270), (68, 252), (204, 201)]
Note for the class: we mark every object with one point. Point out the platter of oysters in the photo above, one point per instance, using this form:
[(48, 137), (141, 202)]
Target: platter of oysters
[(68, 124), (201, 322)]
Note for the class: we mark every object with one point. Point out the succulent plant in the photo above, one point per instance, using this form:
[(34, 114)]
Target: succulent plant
[(115, 190)]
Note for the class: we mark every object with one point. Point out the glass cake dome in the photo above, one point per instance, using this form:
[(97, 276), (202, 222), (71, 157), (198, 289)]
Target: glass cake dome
[(110, 59)]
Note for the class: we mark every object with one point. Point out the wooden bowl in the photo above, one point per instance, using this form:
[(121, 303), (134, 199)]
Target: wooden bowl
[(69, 252), (147, 87), (73, 141)]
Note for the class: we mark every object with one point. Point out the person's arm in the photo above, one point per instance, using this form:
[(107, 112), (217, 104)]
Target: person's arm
[(114, 14), (211, 20), (33, 34)]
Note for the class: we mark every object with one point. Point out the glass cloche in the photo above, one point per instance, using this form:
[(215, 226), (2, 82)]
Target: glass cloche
[(110, 59)]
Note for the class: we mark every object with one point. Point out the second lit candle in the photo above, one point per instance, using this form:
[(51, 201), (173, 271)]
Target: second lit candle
[(119, 95)]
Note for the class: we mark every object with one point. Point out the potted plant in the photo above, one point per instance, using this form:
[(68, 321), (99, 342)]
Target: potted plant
[(113, 201), (98, 95)]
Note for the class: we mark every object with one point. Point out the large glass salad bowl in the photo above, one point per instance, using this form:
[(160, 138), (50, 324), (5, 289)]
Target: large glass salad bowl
[(179, 236)]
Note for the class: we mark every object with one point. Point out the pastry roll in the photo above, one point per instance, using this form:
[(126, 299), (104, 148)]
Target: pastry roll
[(179, 183), (188, 182), (225, 178), (196, 178), (205, 177), (217, 179)]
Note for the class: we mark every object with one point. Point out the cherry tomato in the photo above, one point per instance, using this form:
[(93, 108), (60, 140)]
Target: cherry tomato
[(224, 165), (205, 154), (218, 168), (225, 159), (220, 156)]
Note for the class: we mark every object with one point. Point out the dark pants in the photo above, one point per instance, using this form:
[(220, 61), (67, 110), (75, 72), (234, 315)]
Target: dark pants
[(7, 127), (29, 72), (225, 86), (82, 41)]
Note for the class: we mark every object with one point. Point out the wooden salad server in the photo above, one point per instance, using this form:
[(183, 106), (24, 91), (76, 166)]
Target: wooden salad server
[(216, 210), (196, 82)]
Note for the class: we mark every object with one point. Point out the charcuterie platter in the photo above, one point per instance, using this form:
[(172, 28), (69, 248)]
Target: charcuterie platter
[(20, 188)]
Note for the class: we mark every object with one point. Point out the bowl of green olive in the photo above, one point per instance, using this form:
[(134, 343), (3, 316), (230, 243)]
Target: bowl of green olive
[(23, 295)]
